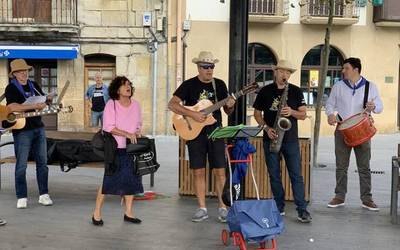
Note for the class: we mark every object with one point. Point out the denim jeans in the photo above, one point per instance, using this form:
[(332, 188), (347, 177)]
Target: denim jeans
[(96, 118), (291, 153), (24, 142)]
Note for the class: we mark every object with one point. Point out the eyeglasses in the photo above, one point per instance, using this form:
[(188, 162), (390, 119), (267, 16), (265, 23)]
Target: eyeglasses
[(207, 66)]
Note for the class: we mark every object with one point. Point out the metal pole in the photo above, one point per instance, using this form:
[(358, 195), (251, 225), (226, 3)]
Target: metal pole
[(238, 38), (395, 190), (155, 88)]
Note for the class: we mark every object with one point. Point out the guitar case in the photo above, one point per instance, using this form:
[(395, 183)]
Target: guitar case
[(69, 153)]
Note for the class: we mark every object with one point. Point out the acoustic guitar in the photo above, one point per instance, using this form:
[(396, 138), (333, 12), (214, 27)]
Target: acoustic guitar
[(16, 120), (189, 129)]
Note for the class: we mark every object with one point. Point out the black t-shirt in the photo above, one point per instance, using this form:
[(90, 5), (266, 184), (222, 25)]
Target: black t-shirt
[(98, 103), (13, 95), (268, 100), (193, 90)]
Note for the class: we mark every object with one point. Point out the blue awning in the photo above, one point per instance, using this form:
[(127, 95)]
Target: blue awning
[(39, 52)]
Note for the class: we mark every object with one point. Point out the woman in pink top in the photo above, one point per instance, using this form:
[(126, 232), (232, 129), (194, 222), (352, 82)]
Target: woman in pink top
[(123, 119)]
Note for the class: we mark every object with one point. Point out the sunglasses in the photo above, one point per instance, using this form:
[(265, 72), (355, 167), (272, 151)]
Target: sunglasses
[(207, 66)]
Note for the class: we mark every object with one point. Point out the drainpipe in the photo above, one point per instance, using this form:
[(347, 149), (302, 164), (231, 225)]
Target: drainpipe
[(169, 66), (178, 43)]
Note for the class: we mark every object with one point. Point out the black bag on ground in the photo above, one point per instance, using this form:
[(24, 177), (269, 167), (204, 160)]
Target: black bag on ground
[(51, 150), (71, 153), (144, 156)]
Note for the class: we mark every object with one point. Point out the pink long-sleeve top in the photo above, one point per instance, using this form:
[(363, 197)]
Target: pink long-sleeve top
[(124, 118)]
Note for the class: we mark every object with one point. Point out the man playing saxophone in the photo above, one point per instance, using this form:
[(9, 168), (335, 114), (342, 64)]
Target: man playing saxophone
[(277, 108)]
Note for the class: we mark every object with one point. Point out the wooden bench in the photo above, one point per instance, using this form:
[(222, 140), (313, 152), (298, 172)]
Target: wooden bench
[(64, 135)]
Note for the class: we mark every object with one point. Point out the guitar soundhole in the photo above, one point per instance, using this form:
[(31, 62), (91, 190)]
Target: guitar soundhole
[(11, 117)]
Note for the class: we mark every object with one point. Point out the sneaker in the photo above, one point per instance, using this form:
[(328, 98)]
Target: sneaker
[(336, 202), (222, 213), (200, 215), (370, 205), (22, 203), (2, 222), (282, 213), (304, 216), (45, 200)]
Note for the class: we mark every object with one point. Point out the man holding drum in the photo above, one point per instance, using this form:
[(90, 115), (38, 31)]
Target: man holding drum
[(349, 97)]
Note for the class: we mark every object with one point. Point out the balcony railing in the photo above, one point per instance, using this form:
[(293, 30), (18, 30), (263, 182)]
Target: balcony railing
[(316, 11), (268, 7), (270, 11), (40, 12)]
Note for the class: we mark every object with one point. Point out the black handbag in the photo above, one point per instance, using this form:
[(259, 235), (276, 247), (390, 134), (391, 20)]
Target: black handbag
[(144, 156), (142, 144), (98, 139)]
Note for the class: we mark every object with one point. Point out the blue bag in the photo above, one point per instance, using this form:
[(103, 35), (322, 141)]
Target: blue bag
[(257, 220)]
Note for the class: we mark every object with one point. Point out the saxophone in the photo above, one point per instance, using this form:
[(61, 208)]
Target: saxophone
[(281, 124)]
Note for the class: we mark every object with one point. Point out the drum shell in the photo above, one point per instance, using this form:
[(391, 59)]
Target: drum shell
[(359, 133)]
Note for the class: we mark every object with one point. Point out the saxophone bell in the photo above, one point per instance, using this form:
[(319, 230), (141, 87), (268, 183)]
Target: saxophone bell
[(284, 124)]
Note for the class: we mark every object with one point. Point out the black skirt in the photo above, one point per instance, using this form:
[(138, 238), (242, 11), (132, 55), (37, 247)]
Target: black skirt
[(123, 181)]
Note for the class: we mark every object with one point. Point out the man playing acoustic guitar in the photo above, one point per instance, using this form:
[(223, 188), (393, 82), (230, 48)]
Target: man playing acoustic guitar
[(190, 92), (31, 137)]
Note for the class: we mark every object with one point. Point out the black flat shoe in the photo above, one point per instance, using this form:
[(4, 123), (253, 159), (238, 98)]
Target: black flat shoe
[(97, 222), (132, 220)]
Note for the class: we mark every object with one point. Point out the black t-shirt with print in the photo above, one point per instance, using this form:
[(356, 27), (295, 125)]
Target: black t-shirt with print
[(13, 95), (268, 100), (98, 103), (193, 90)]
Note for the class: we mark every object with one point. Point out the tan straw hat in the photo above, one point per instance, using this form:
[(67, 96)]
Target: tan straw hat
[(284, 64), (205, 57), (18, 64)]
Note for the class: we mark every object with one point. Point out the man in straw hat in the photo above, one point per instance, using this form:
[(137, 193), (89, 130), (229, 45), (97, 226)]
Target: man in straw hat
[(204, 86), (348, 97), (31, 137), (266, 108)]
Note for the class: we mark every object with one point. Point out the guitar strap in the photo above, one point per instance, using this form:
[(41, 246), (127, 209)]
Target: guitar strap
[(215, 90)]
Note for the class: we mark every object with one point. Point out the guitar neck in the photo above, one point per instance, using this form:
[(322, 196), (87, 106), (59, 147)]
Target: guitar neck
[(220, 104), (36, 113)]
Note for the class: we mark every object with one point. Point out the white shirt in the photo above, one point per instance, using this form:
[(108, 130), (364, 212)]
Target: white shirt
[(348, 102)]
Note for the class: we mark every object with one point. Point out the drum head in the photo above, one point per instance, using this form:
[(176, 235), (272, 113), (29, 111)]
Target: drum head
[(351, 121)]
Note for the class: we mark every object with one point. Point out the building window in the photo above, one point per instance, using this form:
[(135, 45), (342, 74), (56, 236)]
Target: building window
[(311, 69), (37, 10), (260, 62)]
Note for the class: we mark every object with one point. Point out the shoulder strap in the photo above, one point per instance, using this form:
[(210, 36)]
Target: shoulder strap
[(366, 92), (215, 89), (115, 115)]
